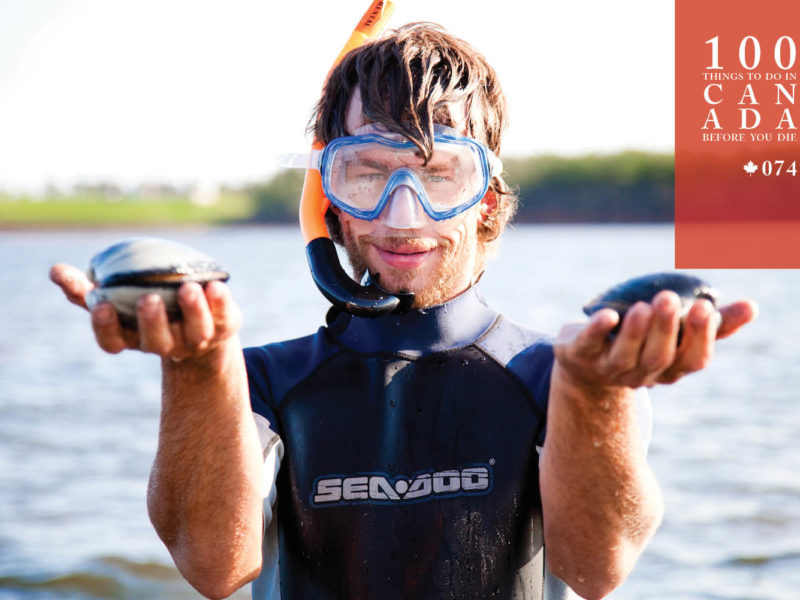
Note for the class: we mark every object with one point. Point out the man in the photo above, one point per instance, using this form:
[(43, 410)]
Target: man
[(429, 454)]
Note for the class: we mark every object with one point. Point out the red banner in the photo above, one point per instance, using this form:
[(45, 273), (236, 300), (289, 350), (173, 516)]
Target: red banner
[(737, 142)]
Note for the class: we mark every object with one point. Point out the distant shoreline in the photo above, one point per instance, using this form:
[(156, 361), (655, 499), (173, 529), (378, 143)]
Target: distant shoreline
[(155, 227), (635, 187)]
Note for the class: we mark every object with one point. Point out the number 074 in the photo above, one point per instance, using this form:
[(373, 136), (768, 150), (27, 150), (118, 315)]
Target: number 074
[(775, 167)]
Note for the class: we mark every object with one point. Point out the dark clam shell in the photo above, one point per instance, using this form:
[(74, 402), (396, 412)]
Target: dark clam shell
[(131, 268), (642, 289)]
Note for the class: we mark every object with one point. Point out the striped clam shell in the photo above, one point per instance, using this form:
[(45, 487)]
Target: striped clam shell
[(133, 267)]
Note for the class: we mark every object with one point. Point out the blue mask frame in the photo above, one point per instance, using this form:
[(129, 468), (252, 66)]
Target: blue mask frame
[(489, 164)]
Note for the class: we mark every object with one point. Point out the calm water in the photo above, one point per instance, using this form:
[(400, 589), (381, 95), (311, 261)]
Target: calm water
[(78, 427)]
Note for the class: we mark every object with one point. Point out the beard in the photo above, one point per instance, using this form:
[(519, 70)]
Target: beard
[(436, 288)]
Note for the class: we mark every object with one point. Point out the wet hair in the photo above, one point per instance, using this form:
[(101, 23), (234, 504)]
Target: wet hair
[(408, 80)]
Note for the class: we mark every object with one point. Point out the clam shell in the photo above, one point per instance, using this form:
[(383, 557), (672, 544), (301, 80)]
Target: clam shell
[(131, 268), (642, 289)]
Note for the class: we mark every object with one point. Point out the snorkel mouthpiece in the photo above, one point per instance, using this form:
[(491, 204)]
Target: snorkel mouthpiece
[(335, 284), (344, 293)]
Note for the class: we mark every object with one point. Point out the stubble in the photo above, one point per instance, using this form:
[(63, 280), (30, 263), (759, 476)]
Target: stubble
[(434, 289)]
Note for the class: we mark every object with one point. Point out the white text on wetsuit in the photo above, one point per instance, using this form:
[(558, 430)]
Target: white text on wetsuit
[(380, 489)]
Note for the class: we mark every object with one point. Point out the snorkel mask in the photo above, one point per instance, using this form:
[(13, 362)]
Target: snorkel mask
[(362, 172), (332, 280)]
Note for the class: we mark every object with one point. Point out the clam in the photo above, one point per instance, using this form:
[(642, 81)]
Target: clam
[(131, 268), (642, 289)]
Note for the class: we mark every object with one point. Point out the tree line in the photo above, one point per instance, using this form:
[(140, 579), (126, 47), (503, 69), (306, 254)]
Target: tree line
[(630, 186)]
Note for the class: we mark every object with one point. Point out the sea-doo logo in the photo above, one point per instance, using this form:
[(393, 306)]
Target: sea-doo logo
[(379, 488)]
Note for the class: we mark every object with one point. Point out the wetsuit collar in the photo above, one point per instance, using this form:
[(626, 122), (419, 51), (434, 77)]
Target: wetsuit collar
[(454, 324)]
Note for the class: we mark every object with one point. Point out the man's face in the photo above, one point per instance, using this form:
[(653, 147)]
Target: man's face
[(436, 260)]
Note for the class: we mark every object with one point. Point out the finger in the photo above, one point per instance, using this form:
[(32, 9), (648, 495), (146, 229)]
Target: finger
[(107, 330), (73, 282), (569, 332), (180, 349), (225, 312), (590, 339), (155, 334), (697, 345), (627, 346), (198, 325), (735, 316), (661, 340)]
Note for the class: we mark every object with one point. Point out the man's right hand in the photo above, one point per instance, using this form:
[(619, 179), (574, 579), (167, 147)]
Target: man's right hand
[(210, 317)]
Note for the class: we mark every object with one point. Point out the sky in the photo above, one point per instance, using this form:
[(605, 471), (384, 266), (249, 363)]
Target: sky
[(195, 91)]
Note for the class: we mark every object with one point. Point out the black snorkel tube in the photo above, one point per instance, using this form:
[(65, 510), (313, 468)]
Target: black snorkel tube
[(369, 300), (336, 285)]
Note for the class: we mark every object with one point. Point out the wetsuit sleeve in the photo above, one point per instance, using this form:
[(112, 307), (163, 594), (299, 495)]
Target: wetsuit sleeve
[(535, 365), (266, 423), (261, 400)]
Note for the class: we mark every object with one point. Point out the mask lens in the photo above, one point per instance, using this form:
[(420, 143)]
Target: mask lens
[(453, 176), (359, 173), (360, 168)]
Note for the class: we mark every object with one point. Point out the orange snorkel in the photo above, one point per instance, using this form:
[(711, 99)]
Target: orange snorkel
[(331, 279)]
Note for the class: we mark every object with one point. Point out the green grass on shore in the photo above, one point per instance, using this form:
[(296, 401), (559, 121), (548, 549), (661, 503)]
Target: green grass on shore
[(625, 187), (77, 210)]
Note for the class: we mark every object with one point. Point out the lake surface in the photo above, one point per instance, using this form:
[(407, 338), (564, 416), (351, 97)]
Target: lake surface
[(78, 427)]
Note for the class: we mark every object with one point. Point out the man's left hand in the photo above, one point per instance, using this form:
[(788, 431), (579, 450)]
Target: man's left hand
[(645, 351)]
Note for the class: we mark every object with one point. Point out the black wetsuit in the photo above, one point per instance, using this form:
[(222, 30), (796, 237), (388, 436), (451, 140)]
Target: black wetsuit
[(409, 464)]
